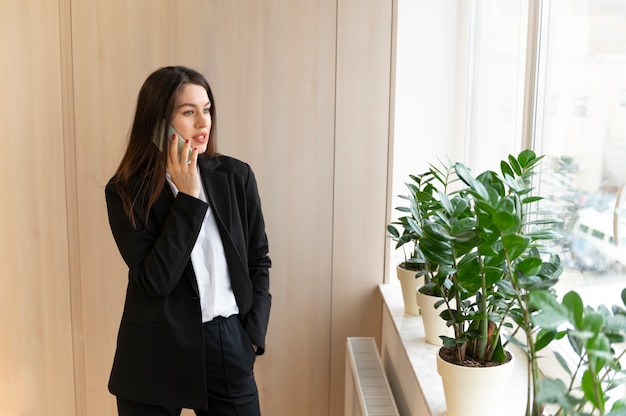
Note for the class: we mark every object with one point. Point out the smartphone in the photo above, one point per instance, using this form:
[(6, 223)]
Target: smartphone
[(160, 136)]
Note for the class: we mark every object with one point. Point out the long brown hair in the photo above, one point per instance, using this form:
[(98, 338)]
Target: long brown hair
[(143, 162)]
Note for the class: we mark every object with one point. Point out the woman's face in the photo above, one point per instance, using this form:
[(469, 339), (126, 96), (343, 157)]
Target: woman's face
[(191, 117)]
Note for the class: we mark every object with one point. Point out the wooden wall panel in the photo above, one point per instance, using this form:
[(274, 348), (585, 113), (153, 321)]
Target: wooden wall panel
[(36, 376), (271, 65), (274, 71), (301, 91), (364, 62)]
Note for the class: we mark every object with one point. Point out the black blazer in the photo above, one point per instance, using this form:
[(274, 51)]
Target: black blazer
[(160, 356)]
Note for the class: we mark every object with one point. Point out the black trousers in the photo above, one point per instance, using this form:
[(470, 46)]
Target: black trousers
[(232, 390)]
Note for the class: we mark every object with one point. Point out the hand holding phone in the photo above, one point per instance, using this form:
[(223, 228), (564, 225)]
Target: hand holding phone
[(182, 170), (161, 135)]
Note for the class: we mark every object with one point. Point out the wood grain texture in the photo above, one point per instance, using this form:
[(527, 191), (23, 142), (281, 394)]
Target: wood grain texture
[(36, 371), (301, 92), (271, 65), (364, 42)]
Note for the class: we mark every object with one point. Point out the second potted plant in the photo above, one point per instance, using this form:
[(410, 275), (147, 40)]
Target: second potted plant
[(422, 200), (406, 232)]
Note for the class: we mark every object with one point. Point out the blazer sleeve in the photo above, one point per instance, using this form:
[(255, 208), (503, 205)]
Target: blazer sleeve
[(156, 249), (259, 264)]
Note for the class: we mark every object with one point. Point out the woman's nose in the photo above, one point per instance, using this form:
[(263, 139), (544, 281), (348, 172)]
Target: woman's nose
[(203, 120)]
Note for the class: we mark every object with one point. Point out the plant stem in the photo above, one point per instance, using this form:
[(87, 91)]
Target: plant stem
[(521, 297), (459, 326), (578, 368), (484, 322)]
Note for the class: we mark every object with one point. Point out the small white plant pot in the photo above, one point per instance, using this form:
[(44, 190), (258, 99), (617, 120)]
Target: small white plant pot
[(434, 325), (409, 284), (474, 391)]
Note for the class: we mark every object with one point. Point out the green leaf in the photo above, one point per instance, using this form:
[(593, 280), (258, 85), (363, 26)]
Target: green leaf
[(448, 342), (393, 231), (506, 221), (577, 341), (505, 168), (445, 203), (618, 409), (530, 266), (528, 157), (414, 226), (555, 391), (463, 225), (517, 342), (515, 245), (544, 337), (498, 354), (619, 404), (437, 231), (574, 304), (592, 392), (464, 174), (599, 351), (616, 323), (551, 390), (437, 257), (531, 199), (563, 362), (593, 322), (460, 206), (515, 165), (550, 313)]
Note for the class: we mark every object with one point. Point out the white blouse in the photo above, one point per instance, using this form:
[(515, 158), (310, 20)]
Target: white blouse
[(210, 266)]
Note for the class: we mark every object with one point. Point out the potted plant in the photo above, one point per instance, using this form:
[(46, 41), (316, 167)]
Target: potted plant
[(415, 272), (482, 242), (406, 232), (425, 200)]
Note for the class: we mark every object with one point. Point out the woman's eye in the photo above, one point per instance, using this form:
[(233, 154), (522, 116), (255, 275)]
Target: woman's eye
[(206, 110), (188, 113)]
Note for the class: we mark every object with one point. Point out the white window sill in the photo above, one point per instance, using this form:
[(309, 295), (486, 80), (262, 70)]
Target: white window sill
[(411, 367)]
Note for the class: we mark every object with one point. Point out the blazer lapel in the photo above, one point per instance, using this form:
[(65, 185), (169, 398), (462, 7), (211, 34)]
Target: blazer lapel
[(217, 190), (219, 196)]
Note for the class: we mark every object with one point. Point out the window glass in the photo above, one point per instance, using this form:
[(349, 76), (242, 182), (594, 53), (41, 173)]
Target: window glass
[(497, 56), (461, 73), (581, 128), (460, 85), (430, 51)]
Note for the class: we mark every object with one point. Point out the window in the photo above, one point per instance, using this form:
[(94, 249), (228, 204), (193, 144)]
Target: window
[(582, 52), (479, 80), (495, 74)]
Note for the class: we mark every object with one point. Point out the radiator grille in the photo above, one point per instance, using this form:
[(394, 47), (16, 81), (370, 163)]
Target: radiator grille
[(367, 389)]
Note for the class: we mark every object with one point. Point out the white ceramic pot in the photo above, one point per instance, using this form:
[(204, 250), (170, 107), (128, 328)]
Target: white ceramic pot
[(434, 325), (474, 391), (409, 284)]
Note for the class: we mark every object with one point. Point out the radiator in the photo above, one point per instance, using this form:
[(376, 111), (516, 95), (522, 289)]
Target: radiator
[(367, 389)]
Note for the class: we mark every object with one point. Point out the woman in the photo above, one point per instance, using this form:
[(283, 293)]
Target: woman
[(188, 223)]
